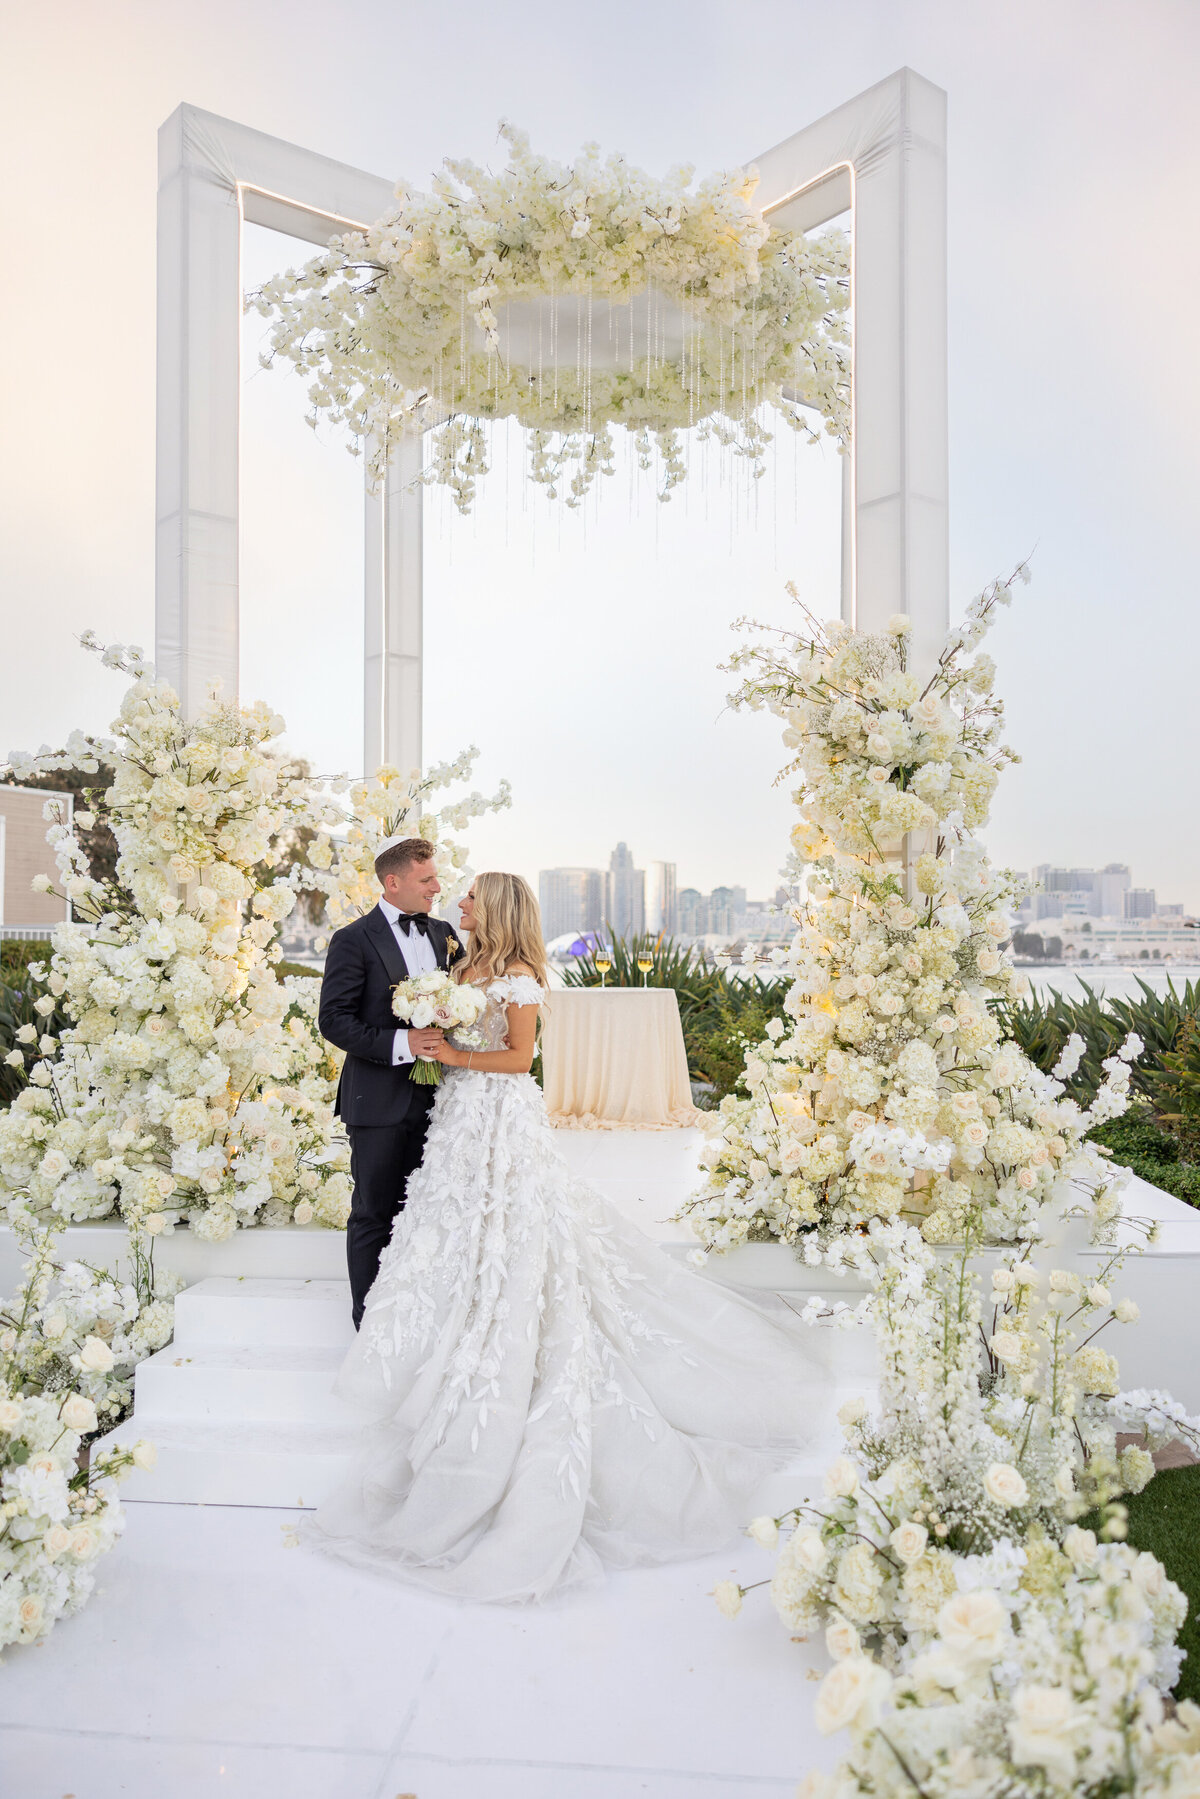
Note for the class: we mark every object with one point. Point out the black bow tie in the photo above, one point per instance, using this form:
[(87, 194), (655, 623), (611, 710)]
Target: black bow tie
[(407, 920)]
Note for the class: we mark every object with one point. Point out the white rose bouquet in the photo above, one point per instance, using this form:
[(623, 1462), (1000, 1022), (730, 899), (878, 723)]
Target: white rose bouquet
[(436, 1002)]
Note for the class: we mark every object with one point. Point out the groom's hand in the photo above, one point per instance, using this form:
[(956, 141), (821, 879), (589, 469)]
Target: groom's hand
[(425, 1043)]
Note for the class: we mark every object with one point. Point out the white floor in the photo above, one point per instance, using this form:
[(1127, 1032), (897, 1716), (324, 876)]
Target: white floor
[(217, 1660)]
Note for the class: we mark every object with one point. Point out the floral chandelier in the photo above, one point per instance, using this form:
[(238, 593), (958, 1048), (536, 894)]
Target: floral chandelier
[(572, 298)]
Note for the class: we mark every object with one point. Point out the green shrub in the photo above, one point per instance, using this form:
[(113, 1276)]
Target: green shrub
[(1159, 1137), (18, 991)]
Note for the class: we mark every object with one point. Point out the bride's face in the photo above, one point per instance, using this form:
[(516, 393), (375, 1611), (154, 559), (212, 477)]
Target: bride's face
[(466, 910)]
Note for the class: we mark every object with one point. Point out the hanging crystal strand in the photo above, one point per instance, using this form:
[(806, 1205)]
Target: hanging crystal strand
[(588, 378)]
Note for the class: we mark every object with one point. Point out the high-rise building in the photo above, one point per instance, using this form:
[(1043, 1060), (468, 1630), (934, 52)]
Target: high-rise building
[(572, 899), (662, 906), (693, 912), (1140, 902), (625, 894), (724, 905), (1113, 883)]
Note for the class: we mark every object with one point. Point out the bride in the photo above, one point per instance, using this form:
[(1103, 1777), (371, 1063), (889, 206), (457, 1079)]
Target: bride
[(548, 1392)]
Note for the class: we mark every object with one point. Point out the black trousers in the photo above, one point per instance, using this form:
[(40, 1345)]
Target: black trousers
[(382, 1156)]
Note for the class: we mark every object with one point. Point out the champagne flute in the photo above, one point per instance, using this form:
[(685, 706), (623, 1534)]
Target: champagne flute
[(602, 959), (645, 962)]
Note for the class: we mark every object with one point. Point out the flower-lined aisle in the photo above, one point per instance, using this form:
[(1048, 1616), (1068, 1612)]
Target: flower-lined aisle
[(990, 1631)]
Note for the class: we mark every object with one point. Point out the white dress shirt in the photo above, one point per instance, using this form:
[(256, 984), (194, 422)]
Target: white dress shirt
[(420, 957)]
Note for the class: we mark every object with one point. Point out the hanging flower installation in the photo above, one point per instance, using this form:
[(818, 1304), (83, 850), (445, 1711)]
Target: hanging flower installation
[(894, 1088), (193, 1083), (668, 307)]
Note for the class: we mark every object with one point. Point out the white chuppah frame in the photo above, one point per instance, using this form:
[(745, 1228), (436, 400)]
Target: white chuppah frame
[(882, 155)]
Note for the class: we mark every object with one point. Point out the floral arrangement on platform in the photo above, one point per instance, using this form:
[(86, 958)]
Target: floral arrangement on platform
[(1067, 1704), (983, 1640), (59, 1513), (193, 1083), (402, 327), (893, 1090)]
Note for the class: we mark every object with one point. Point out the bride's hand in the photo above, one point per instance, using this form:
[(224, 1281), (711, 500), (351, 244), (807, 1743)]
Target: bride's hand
[(450, 1057)]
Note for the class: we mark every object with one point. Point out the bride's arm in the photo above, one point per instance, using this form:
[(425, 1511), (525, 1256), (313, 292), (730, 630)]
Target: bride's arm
[(516, 1059)]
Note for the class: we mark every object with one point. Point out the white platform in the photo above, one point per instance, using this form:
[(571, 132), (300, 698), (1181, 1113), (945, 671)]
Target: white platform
[(240, 1404)]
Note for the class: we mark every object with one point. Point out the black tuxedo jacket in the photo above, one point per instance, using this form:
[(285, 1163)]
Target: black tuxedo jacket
[(363, 964)]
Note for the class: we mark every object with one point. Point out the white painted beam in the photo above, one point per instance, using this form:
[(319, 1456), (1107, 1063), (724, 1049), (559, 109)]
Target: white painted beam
[(886, 150)]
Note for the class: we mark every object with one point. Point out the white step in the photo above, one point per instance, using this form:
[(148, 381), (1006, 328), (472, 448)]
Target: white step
[(236, 1385), (283, 1466), (243, 1310)]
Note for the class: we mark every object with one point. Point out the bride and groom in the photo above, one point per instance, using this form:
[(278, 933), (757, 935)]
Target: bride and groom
[(547, 1392)]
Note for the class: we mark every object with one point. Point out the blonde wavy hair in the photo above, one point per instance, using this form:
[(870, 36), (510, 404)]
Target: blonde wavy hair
[(508, 929)]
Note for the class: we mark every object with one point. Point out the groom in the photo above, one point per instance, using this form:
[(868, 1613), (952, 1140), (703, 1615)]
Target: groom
[(385, 1112)]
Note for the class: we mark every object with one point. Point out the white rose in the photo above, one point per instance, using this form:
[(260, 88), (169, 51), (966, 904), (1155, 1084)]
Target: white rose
[(1039, 1733), (56, 1541), (11, 1414), (1003, 1280), (909, 1540), (1006, 1346), (974, 1625), (807, 1547), (95, 1355), (29, 1612), (764, 1531), (84, 1542), (841, 1639), (1098, 1295), (852, 1412), (1127, 1311), (728, 1596), (145, 1455), (851, 1693), (78, 1413), (303, 1213), (841, 1479), (15, 1059), (1005, 1486)]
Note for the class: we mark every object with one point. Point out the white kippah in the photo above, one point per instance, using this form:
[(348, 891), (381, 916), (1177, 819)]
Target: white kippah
[(389, 843)]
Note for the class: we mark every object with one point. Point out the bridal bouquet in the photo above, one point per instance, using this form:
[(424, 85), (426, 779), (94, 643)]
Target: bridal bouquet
[(436, 1002)]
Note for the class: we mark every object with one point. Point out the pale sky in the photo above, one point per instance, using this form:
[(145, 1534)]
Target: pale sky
[(580, 653)]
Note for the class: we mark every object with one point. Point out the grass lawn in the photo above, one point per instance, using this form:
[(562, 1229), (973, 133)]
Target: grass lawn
[(1165, 1519)]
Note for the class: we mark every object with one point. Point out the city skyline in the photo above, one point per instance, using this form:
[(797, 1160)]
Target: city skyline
[(623, 609)]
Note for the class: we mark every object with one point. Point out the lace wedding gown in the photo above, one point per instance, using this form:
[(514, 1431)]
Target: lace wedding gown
[(549, 1391)]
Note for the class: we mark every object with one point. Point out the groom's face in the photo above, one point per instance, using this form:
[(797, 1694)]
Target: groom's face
[(414, 888)]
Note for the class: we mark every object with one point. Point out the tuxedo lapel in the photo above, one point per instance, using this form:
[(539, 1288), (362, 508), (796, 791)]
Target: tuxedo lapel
[(384, 939)]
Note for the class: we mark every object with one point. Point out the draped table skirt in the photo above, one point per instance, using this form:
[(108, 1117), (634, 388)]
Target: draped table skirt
[(614, 1060)]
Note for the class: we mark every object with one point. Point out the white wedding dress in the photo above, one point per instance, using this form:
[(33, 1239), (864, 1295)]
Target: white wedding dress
[(548, 1391)]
